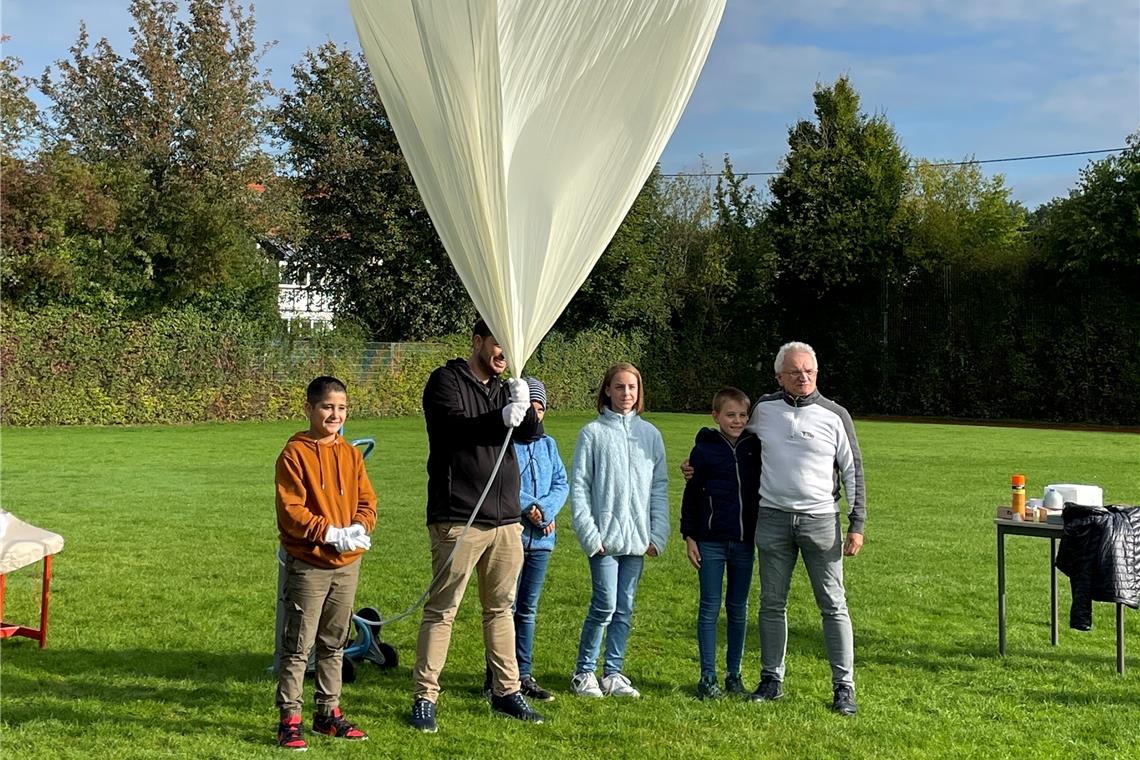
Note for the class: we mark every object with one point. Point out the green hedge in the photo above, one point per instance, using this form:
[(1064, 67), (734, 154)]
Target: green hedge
[(68, 367)]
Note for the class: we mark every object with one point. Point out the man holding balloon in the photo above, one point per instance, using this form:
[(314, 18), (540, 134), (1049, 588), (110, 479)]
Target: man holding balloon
[(469, 409)]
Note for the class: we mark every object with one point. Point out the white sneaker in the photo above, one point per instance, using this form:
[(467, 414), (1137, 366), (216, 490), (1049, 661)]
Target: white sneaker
[(585, 685), (617, 685)]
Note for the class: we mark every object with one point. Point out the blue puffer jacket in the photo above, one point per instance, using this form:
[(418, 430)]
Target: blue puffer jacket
[(543, 480), (723, 497)]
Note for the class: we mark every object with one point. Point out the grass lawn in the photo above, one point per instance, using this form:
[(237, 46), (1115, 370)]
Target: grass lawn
[(163, 606)]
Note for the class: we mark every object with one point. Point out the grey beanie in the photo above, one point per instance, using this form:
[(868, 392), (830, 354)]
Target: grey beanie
[(537, 391)]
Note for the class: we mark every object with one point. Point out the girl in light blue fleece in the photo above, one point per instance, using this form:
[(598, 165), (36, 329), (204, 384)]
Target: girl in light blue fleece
[(620, 511)]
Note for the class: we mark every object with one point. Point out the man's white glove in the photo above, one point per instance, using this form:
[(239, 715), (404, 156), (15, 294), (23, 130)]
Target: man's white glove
[(520, 391), (514, 412), (340, 539), (359, 537)]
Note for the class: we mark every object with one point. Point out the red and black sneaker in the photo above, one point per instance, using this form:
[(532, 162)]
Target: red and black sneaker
[(335, 725), (290, 735)]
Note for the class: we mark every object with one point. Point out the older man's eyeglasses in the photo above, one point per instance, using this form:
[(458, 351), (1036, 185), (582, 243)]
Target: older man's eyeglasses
[(799, 372)]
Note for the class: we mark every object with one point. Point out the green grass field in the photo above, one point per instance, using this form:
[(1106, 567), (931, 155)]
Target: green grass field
[(163, 607)]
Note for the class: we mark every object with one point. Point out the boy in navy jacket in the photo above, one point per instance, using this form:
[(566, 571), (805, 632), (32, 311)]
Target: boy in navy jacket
[(718, 522)]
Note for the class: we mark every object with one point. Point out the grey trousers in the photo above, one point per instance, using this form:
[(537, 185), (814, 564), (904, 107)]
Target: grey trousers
[(780, 537), (318, 612)]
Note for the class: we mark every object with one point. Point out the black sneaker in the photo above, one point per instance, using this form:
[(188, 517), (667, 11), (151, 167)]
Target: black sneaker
[(423, 716), (289, 734), (769, 690), (514, 706), (734, 684), (531, 690), (707, 689), (844, 702), (336, 726)]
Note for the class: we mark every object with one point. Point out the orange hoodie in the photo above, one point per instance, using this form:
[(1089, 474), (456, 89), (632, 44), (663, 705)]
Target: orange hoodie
[(321, 485)]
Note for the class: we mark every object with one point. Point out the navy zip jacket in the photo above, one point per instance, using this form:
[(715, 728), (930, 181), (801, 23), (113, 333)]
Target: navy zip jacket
[(723, 497)]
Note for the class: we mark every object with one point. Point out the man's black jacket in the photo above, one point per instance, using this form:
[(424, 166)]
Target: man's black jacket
[(1100, 552), (465, 433)]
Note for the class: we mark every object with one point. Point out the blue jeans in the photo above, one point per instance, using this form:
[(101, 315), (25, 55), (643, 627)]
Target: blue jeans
[(526, 607), (615, 582), (780, 537), (716, 557)]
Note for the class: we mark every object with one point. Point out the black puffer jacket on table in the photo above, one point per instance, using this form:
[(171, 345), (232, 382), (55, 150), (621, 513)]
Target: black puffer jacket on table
[(1100, 552)]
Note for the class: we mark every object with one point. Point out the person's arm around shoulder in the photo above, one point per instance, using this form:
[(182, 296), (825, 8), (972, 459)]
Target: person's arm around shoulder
[(581, 494), (691, 499)]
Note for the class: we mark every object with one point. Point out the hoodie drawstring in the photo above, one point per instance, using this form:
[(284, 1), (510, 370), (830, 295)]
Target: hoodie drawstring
[(336, 466)]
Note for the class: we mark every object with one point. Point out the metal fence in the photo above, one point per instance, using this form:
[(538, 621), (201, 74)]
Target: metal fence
[(369, 360)]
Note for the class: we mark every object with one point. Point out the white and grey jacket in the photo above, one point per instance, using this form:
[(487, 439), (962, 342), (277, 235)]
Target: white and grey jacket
[(807, 446)]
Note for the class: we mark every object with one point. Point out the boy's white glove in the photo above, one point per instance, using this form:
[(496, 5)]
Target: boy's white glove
[(359, 537), (520, 391), (340, 539), (514, 412)]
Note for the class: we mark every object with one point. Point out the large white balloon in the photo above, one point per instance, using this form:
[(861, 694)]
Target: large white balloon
[(529, 127)]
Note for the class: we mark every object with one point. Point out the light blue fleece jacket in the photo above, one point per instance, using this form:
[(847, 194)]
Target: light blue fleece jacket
[(619, 486), (543, 479)]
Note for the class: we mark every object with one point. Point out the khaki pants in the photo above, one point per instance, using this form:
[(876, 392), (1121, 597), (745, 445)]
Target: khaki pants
[(318, 612), (496, 555)]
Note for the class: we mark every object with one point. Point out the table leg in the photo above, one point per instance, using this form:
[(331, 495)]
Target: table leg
[(1120, 638), (1053, 590), (1001, 589), (44, 601)]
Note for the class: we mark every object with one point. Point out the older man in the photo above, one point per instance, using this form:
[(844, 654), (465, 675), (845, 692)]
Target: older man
[(808, 447)]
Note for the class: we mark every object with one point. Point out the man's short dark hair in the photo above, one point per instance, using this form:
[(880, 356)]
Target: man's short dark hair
[(481, 329), (724, 395), (323, 386)]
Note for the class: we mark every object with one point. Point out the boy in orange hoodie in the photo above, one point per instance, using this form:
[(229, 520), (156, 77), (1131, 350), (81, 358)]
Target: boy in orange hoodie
[(326, 509)]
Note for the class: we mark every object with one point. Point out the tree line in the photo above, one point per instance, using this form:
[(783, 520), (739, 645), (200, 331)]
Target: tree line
[(153, 178)]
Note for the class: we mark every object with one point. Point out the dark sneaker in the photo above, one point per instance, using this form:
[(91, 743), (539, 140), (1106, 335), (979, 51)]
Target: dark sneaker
[(515, 706), (336, 726), (707, 689), (290, 735), (487, 690), (769, 690), (423, 716), (844, 702), (734, 684), (531, 690)]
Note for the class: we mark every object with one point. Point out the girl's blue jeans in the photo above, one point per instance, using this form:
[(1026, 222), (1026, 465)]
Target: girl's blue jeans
[(615, 582)]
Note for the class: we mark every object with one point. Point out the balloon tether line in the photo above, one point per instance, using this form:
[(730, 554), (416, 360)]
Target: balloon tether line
[(447, 563)]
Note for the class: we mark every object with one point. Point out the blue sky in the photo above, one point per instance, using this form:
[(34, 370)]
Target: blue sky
[(957, 78)]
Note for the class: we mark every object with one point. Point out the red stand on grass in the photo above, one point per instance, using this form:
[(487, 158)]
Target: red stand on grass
[(21, 545)]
